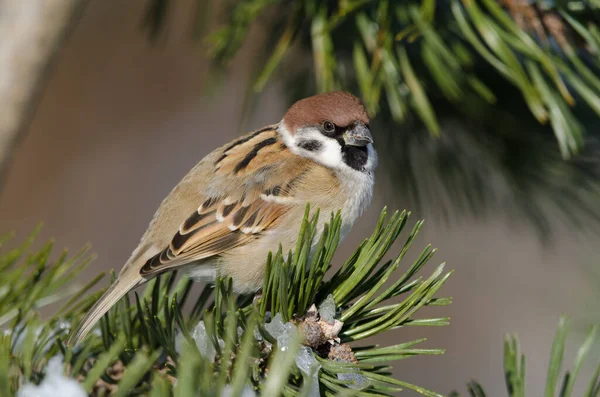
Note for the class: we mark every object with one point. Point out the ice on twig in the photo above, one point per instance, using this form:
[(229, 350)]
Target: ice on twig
[(205, 345), (327, 309), (309, 366), (275, 327), (358, 380), (283, 333), (344, 353), (55, 384), (202, 339)]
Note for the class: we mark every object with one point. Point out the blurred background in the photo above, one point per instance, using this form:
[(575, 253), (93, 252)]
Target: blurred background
[(507, 180)]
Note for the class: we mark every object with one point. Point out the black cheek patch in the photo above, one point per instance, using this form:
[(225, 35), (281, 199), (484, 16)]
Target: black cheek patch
[(311, 145)]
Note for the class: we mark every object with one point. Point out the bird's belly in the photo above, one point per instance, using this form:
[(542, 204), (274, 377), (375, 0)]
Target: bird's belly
[(206, 272), (246, 265)]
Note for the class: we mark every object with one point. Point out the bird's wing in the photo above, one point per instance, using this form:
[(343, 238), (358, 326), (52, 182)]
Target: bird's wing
[(232, 196), (216, 227), (254, 185)]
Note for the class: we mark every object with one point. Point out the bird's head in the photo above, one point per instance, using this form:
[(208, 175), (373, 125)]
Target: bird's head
[(331, 129)]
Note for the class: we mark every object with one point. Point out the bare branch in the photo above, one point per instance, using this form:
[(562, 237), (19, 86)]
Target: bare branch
[(32, 31)]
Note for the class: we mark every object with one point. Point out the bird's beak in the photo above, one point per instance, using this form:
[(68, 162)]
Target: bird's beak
[(359, 135)]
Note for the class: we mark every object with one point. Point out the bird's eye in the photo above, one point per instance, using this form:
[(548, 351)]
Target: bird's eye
[(328, 126)]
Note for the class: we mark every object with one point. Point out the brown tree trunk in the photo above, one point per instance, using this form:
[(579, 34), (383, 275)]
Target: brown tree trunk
[(31, 34)]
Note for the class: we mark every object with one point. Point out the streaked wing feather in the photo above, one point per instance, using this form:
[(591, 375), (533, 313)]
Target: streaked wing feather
[(238, 215), (211, 236)]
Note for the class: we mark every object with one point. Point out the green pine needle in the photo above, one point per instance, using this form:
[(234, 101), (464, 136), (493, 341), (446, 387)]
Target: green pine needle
[(140, 346), (397, 54), (514, 367)]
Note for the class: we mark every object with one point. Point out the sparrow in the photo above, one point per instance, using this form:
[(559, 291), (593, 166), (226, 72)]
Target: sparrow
[(249, 196)]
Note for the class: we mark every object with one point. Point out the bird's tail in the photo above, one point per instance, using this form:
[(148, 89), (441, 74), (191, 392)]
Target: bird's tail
[(116, 291)]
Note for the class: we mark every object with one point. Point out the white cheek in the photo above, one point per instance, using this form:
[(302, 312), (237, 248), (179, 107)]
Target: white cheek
[(330, 153), (287, 137)]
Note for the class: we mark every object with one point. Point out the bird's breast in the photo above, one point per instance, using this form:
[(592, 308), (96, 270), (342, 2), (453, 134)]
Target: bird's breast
[(358, 188)]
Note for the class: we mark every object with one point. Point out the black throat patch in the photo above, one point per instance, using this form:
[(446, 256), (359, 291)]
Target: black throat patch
[(355, 157)]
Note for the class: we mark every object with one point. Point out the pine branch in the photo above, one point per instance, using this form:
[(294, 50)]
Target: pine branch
[(238, 346), (514, 367), (291, 341), (37, 29), (398, 54)]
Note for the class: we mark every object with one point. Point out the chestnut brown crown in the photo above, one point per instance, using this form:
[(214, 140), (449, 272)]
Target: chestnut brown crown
[(339, 107)]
